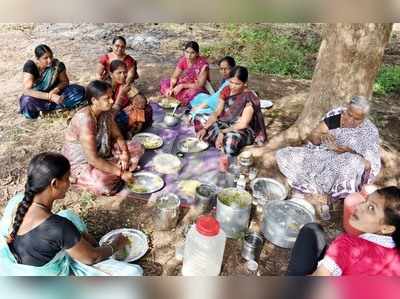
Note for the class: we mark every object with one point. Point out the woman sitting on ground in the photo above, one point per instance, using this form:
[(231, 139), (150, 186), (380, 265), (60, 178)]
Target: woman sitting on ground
[(100, 158), (375, 252), (36, 242), (189, 77), (342, 156), (133, 112), (46, 85), (238, 120), (205, 104), (118, 53)]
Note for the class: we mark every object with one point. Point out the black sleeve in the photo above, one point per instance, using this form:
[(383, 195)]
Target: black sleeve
[(69, 234), (31, 68), (61, 67), (333, 122)]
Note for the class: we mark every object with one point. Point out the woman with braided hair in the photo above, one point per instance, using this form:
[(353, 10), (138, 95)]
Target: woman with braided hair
[(34, 241)]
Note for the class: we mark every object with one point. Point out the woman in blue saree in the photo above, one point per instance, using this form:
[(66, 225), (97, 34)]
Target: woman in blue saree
[(46, 85), (205, 104), (36, 242)]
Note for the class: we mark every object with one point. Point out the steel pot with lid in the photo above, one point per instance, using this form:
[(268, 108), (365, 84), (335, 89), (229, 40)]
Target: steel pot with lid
[(282, 221)]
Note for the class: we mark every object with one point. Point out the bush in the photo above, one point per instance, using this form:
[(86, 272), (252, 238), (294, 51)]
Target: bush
[(388, 80), (265, 51)]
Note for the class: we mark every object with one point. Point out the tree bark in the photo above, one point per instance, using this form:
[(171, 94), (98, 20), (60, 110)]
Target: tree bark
[(348, 61)]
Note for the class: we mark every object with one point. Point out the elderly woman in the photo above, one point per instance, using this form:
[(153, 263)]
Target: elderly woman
[(36, 242), (46, 85), (205, 104), (342, 156), (374, 252), (101, 160), (133, 112), (189, 77), (118, 53), (238, 120)]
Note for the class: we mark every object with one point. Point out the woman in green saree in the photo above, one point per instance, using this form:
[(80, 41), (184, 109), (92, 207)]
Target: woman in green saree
[(34, 241), (46, 85)]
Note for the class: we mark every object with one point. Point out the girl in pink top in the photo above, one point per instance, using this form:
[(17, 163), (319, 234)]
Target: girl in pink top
[(374, 252), (189, 77)]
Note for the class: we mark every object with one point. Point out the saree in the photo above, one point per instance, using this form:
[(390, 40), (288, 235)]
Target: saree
[(190, 74), (74, 95), (317, 169), (234, 106), (84, 175), (210, 100), (62, 264), (131, 120)]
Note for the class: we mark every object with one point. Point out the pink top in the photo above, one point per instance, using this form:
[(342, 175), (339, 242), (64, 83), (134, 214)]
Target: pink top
[(192, 72), (366, 254)]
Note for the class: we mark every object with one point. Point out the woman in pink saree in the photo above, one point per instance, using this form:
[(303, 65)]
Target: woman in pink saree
[(189, 77), (101, 160)]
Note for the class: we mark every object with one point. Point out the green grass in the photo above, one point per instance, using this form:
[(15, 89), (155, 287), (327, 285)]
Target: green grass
[(387, 81), (267, 52)]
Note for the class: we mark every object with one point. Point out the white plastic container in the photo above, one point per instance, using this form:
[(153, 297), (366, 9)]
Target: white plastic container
[(204, 248)]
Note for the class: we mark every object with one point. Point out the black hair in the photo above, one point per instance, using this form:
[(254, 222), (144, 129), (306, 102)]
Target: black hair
[(194, 45), (41, 50), (43, 168), (229, 60), (96, 89), (392, 210), (116, 64), (240, 72), (121, 38)]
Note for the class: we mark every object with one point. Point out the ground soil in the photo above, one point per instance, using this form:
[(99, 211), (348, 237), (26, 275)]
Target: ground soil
[(156, 47)]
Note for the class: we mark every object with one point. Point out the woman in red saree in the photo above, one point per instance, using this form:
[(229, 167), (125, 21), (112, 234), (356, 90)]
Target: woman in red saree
[(189, 77)]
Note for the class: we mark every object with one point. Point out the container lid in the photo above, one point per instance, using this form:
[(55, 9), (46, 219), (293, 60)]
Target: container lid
[(207, 225)]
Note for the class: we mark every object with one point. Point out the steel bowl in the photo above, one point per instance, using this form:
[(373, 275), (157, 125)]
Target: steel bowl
[(171, 120)]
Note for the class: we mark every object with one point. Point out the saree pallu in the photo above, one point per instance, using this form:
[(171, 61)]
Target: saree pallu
[(190, 74), (210, 100), (74, 96), (317, 169), (62, 264)]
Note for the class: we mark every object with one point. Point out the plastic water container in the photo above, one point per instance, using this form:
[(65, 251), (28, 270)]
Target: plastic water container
[(204, 248)]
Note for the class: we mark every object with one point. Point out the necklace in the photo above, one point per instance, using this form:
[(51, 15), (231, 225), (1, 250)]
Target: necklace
[(42, 206)]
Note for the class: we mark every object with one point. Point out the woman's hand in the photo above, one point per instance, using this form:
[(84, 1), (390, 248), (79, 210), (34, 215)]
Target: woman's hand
[(169, 92), (55, 98), (219, 142), (127, 176), (55, 90), (328, 139), (367, 165), (126, 88), (124, 160), (201, 134), (177, 89), (119, 242)]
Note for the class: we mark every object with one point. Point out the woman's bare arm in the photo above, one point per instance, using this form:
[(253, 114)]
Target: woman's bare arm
[(28, 83)]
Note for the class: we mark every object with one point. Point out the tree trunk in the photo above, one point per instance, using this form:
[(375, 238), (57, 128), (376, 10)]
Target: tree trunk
[(348, 61)]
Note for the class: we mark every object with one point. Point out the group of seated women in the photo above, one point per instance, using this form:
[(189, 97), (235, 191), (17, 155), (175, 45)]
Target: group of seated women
[(342, 155)]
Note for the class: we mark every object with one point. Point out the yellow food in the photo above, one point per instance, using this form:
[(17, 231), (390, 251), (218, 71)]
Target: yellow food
[(138, 188), (150, 142), (188, 187)]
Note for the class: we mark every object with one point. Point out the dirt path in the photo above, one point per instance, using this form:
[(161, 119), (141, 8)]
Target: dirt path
[(157, 48)]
